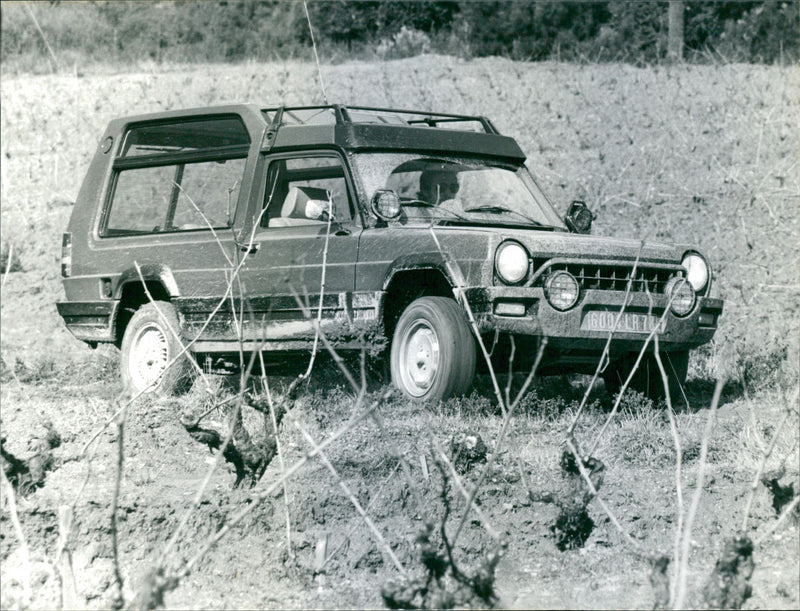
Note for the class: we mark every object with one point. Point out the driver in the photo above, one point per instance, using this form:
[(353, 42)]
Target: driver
[(437, 186)]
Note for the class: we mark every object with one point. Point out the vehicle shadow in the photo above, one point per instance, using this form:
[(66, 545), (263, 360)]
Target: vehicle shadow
[(700, 393)]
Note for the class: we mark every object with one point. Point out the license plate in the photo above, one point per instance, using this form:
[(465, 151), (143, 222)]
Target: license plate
[(630, 322)]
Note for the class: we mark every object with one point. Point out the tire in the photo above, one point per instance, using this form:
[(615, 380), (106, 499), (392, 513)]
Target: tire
[(433, 350), (647, 379), (148, 345)]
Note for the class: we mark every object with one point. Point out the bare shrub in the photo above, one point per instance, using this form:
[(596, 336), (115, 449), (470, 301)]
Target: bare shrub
[(444, 585)]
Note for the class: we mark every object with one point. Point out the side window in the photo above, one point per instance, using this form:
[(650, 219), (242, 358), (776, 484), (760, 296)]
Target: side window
[(177, 177), (208, 194), (175, 197), (299, 188), (141, 199)]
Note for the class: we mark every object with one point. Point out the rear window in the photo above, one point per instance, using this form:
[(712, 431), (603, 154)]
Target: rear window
[(195, 135), (178, 176)]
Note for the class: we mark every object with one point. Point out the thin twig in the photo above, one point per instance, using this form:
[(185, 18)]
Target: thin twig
[(349, 494), (765, 456), (316, 56), (44, 38), (263, 494), (509, 414), (207, 221), (460, 295), (784, 514), (673, 427), (322, 284), (118, 601), (588, 480), (281, 464), (624, 387), (682, 570), (7, 270), (176, 335), (201, 490), (604, 360), (355, 526), (460, 485), (26, 554), (511, 355)]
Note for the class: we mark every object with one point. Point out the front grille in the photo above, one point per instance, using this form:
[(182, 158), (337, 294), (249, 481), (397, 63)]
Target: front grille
[(616, 277)]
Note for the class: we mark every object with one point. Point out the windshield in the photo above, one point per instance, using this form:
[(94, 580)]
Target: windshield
[(470, 189)]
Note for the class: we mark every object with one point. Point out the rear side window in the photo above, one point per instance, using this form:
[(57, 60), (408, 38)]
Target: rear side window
[(194, 135), (180, 176)]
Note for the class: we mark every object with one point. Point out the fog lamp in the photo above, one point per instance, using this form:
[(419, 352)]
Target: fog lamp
[(562, 290), (386, 204), (681, 296)]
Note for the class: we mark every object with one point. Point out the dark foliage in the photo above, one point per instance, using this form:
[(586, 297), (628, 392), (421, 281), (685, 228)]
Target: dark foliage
[(28, 474), (250, 458), (467, 451), (573, 525), (659, 580), (444, 584), (616, 30), (782, 493), (729, 584)]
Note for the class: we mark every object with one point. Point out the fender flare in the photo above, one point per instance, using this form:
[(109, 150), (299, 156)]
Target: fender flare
[(150, 272)]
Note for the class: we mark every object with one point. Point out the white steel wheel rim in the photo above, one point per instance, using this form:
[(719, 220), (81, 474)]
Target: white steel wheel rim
[(149, 356), (419, 358)]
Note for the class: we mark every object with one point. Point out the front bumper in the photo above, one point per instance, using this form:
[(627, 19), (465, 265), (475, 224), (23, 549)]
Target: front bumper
[(567, 330)]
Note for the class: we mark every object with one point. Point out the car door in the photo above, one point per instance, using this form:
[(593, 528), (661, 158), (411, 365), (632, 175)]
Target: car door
[(299, 253)]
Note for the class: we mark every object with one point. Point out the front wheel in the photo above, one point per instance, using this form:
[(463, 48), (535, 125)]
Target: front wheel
[(149, 347), (433, 350)]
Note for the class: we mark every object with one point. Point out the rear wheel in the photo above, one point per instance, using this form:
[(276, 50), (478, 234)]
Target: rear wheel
[(433, 350), (647, 379), (149, 346)]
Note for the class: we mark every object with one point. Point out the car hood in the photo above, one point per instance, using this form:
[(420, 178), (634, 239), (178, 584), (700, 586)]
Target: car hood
[(547, 244)]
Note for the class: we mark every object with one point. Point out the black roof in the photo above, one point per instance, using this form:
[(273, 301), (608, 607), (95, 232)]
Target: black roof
[(370, 128)]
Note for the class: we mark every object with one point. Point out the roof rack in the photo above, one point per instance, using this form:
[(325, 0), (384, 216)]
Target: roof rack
[(337, 114)]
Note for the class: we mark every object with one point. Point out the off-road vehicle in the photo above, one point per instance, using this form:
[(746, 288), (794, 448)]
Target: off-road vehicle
[(230, 229)]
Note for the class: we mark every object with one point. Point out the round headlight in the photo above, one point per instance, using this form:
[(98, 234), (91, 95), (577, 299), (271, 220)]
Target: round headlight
[(696, 271), (562, 290), (511, 262), (681, 295)]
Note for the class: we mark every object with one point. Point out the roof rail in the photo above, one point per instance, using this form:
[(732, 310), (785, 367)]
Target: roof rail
[(340, 114)]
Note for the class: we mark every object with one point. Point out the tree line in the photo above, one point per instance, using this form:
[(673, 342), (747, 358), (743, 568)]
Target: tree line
[(34, 34)]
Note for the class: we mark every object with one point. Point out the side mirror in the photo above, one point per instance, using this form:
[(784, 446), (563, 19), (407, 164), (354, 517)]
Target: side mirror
[(386, 204), (579, 218)]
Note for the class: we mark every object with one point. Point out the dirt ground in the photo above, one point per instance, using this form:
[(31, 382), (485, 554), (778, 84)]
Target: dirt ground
[(252, 568), (721, 173)]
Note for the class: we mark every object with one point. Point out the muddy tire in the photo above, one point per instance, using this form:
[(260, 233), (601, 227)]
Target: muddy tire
[(148, 346), (433, 350), (647, 379)]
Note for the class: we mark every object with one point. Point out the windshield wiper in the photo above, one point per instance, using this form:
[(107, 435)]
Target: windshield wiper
[(420, 203), (502, 209)]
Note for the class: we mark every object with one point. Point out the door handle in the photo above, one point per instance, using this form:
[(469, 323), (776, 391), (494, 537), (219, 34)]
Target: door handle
[(342, 231)]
